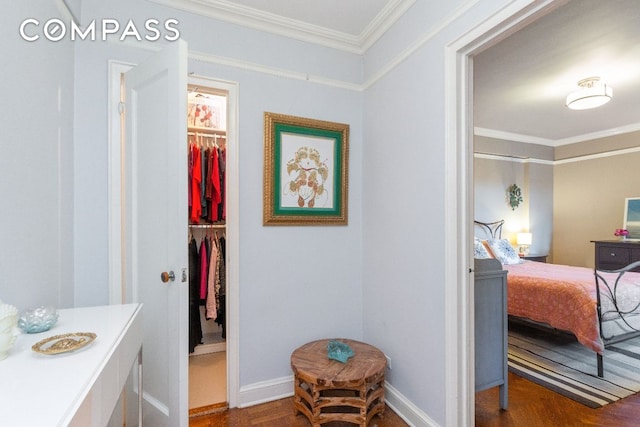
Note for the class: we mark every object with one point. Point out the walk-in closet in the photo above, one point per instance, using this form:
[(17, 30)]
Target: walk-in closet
[(207, 144)]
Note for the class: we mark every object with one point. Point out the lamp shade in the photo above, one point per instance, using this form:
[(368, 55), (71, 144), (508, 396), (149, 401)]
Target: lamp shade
[(523, 238), (591, 94)]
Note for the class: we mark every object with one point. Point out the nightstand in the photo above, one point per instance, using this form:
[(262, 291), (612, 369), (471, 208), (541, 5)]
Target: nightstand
[(537, 258)]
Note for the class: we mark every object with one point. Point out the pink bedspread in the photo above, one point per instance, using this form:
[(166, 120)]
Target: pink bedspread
[(559, 295)]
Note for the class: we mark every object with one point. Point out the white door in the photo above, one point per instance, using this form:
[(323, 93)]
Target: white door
[(155, 235)]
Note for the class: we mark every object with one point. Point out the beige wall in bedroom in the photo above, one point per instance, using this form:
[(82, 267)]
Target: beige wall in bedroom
[(497, 165), (588, 194), (588, 182)]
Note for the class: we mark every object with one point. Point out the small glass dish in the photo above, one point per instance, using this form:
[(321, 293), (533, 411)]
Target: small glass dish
[(38, 319)]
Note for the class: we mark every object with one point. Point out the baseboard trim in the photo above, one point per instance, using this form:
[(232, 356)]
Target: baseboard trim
[(265, 391), (405, 409), (280, 388)]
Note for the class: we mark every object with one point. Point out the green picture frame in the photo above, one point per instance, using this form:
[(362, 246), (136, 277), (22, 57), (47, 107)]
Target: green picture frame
[(306, 177)]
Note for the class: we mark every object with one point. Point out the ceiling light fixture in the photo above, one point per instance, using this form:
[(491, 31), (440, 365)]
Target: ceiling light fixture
[(591, 94)]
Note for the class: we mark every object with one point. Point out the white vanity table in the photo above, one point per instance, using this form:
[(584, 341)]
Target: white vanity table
[(78, 388)]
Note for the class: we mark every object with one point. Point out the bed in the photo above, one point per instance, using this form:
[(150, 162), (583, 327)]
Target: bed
[(598, 307)]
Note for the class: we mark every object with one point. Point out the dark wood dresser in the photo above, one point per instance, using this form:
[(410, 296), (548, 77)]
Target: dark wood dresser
[(615, 254)]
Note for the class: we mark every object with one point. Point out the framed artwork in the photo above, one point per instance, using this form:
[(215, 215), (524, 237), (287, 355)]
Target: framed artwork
[(206, 111), (632, 217), (306, 177)]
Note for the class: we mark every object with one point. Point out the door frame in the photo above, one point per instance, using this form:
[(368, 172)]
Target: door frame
[(115, 222), (459, 203)]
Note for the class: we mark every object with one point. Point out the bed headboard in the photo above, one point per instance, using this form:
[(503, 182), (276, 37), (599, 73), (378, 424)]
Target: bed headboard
[(490, 230)]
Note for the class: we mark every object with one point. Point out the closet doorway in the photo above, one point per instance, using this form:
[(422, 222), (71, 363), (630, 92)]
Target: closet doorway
[(115, 183), (209, 137)]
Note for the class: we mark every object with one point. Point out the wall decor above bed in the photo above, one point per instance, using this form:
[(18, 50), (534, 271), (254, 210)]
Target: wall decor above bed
[(514, 195)]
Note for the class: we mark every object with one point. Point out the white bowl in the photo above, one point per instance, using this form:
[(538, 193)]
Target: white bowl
[(8, 330)]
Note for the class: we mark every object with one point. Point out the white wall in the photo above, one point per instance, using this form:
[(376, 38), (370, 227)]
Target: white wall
[(297, 284), (404, 197), (492, 177), (36, 171)]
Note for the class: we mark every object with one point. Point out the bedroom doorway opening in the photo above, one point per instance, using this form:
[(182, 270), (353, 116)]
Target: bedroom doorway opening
[(459, 184)]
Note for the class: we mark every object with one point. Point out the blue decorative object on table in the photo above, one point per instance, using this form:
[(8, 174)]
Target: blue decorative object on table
[(339, 351), (38, 319)]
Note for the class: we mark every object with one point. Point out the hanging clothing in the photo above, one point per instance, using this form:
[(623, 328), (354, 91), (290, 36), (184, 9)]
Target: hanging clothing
[(196, 177), (204, 269), (207, 202), (222, 167), (203, 182), (212, 299), (222, 286), (207, 205), (195, 326), (213, 194)]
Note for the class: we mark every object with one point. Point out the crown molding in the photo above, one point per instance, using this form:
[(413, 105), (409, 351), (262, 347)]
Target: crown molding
[(268, 22), (510, 136), (513, 159), (65, 10), (634, 127), (622, 152), (508, 158), (392, 11), (528, 139)]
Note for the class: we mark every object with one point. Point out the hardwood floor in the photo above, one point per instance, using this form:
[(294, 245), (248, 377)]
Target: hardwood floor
[(530, 405), (280, 413)]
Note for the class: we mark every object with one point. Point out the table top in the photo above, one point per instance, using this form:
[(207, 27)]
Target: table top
[(312, 364), (631, 242), (38, 389)]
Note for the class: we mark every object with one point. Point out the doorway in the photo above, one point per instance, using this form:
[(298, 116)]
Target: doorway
[(459, 205), (207, 144), (115, 183), (231, 233)]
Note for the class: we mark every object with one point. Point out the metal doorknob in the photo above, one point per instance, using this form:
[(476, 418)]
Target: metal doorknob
[(166, 277)]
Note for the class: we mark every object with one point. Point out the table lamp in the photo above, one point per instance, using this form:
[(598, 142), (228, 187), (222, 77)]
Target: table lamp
[(523, 240)]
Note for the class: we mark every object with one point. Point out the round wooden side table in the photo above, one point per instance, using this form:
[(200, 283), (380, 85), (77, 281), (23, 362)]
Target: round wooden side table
[(328, 390)]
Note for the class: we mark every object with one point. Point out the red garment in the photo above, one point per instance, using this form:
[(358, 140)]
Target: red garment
[(196, 178), (213, 189), (190, 168), (223, 155)]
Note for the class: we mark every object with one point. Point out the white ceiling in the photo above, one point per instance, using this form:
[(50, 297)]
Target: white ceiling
[(520, 84), (350, 25)]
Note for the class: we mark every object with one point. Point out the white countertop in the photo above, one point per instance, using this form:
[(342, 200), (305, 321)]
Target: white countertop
[(48, 390)]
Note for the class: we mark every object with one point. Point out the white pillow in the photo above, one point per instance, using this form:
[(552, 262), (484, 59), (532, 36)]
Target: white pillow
[(480, 250), (504, 252)]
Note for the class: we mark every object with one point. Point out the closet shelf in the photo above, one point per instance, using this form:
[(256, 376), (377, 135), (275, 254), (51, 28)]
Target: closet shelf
[(207, 225), (192, 130)]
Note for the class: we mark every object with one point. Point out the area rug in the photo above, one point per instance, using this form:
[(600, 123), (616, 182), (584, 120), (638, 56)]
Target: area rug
[(560, 363)]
